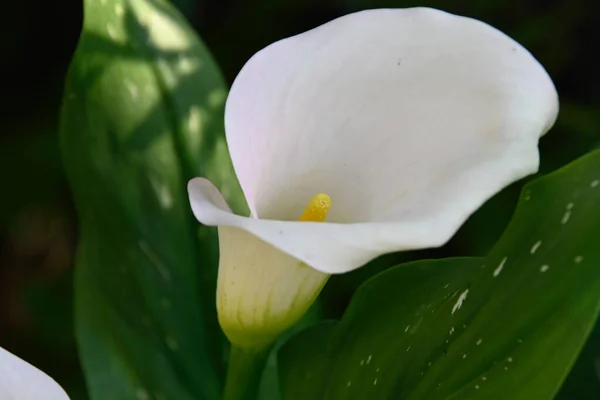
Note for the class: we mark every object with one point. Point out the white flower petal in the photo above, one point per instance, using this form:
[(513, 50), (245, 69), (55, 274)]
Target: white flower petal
[(383, 109), (327, 247), (22, 381), (409, 119)]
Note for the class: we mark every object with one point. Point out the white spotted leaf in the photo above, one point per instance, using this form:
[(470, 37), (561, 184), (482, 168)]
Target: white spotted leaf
[(142, 114), (506, 326)]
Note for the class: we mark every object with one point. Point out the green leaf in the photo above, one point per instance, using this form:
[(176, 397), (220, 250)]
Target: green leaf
[(142, 114), (269, 385), (511, 324)]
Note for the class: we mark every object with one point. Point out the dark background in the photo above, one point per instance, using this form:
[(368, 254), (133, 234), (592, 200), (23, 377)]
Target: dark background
[(37, 219)]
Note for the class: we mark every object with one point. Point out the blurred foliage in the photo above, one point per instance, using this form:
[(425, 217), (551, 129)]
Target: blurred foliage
[(137, 124), (37, 223)]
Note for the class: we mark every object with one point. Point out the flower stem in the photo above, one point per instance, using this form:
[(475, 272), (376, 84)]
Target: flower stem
[(244, 372)]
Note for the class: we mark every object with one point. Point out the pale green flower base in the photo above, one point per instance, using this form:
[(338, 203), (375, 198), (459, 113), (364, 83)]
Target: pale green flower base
[(244, 372)]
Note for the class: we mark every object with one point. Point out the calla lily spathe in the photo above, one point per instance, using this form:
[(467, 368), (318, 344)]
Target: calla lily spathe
[(409, 119), (22, 381)]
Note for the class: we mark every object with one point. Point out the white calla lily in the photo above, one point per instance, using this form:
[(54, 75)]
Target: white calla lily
[(22, 381), (409, 119)]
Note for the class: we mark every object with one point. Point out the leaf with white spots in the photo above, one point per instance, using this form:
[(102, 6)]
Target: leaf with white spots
[(459, 302), (512, 323), (142, 114), (499, 267), (535, 247)]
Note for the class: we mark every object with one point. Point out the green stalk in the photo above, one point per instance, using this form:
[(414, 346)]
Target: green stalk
[(245, 369)]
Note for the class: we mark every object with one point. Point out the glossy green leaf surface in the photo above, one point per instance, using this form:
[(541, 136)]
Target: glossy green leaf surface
[(142, 114), (506, 326)]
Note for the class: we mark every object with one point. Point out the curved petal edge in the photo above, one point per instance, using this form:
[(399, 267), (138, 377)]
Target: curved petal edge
[(22, 381)]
